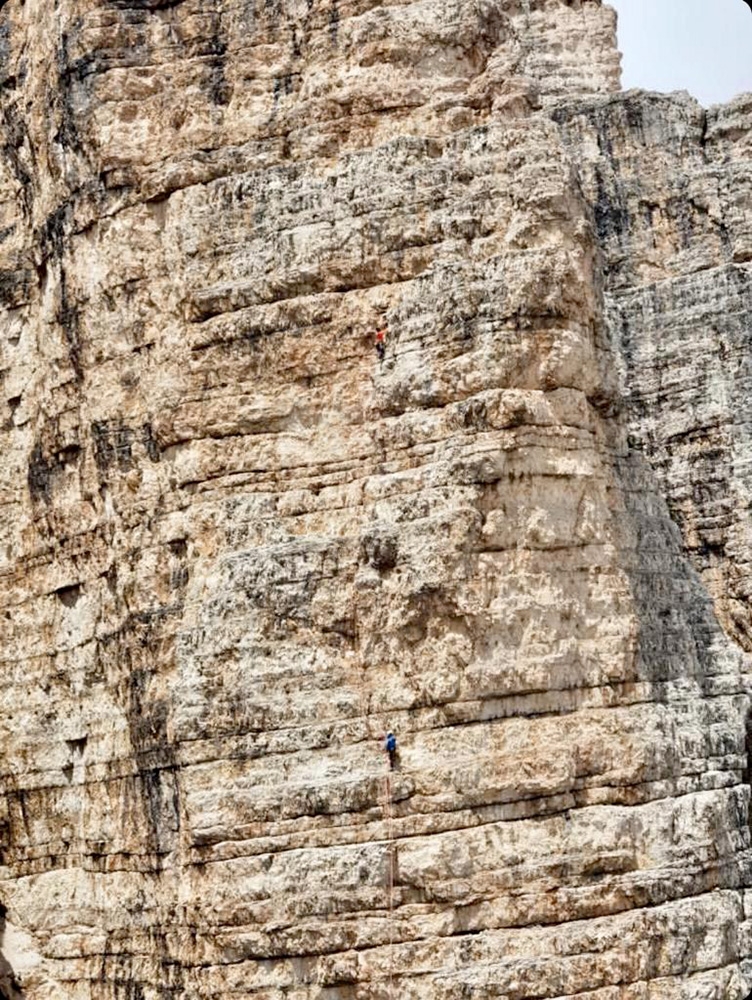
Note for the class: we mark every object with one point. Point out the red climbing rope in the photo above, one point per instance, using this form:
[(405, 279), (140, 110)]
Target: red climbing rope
[(391, 865)]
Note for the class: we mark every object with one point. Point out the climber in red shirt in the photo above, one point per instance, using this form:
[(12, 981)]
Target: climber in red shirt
[(380, 343)]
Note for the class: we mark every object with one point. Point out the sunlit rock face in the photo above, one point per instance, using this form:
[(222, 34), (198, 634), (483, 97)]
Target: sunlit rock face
[(237, 547)]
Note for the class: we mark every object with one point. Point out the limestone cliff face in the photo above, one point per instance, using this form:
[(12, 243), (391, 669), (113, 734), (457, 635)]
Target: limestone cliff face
[(672, 194), (236, 547)]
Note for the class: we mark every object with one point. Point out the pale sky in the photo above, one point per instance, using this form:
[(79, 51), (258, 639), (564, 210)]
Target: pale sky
[(703, 46)]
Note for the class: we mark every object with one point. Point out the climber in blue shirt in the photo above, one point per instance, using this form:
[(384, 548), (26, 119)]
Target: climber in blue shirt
[(390, 745)]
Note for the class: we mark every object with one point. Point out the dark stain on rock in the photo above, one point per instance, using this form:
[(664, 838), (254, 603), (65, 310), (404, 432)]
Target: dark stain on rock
[(157, 779), (295, 42), (127, 657), (611, 216), (51, 235), (679, 631), (69, 319), (379, 549), (334, 22), (634, 114), (282, 86), (218, 87), (15, 287), (113, 444), (5, 51), (179, 571), (70, 74), (15, 150), (149, 442), (45, 465), (473, 415), (39, 474)]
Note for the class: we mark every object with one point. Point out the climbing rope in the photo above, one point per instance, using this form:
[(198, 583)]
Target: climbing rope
[(391, 865), (387, 812)]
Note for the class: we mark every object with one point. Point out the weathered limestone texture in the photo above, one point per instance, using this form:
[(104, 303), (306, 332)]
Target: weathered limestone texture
[(236, 547)]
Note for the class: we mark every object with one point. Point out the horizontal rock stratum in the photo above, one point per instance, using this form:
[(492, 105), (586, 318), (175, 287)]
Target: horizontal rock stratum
[(237, 546)]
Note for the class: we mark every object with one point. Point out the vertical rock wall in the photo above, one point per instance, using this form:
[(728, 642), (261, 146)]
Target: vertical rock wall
[(236, 547), (671, 188)]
